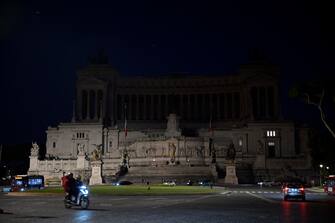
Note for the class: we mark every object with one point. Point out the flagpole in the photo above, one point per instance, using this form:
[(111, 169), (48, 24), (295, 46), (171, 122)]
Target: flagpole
[(125, 134), (125, 124)]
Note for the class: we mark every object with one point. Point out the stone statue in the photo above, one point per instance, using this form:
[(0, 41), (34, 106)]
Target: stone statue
[(125, 158), (97, 153), (260, 148), (231, 152), (81, 149), (213, 156), (199, 150), (172, 152), (34, 149)]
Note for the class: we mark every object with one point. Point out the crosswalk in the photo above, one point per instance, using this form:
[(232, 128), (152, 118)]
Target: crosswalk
[(250, 192)]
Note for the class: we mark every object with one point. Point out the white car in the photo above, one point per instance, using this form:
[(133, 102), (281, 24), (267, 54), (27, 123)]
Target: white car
[(169, 183), (266, 183)]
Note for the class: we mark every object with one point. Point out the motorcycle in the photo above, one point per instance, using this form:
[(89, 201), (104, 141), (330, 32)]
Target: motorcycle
[(81, 200)]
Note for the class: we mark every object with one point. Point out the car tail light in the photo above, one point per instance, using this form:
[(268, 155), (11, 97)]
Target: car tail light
[(286, 189), (301, 189)]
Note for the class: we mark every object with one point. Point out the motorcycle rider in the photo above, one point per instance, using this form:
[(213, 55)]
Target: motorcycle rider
[(65, 184), (69, 185), (72, 186)]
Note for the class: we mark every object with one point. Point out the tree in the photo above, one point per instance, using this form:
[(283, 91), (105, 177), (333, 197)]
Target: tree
[(320, 94)]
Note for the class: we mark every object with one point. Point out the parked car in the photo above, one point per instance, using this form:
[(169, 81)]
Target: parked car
[(189, 183), (123, 182), (205, 183), (265, 183), (169, 183), (293, 190), (268, 183)]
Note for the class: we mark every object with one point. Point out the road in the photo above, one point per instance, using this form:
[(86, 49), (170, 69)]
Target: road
[(238, 204)]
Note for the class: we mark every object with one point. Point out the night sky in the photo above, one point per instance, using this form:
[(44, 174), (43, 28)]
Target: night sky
[(42, 43)]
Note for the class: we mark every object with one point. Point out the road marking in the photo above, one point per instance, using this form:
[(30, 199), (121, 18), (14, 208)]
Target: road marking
[(180, 201), (262, 198), (118, 199), (155, 199)]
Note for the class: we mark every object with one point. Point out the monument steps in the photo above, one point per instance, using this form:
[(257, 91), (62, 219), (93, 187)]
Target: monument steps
[(161, 173)]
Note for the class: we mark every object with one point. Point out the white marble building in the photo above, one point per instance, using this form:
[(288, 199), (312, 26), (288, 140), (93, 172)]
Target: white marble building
[(168, 121)]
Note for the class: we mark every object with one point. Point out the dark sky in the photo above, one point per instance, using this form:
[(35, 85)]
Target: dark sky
[(42, 43)]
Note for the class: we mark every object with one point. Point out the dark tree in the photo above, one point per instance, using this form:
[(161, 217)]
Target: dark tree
[(320, 94)]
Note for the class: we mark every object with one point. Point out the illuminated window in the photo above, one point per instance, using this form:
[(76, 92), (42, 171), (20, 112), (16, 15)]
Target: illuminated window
[(240, 142), (271, 149), (271, 143), (271, 133)]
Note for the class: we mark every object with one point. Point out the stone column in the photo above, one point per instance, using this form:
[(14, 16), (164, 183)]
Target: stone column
[(258, 101), (181, 106), (145, 107), (137, 107), (189, 110), (88, 105), (159, 109), (166, 105), (80, 104), (130, 107), (233, 115), (267, 102), (105, 140), (152, 107), (276, 104), (218, 115), (226, 105), (73, 111), (96, 104)]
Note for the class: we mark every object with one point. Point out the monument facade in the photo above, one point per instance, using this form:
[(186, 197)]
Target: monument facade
[(176, 127)]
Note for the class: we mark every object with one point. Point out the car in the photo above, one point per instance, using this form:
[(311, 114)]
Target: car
[(293, 190), (205, 183), (265, 183), (190, 183), (268, 183), (169, 183), (123, 182)]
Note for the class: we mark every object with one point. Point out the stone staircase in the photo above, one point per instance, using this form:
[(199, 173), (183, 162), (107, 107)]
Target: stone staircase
[(158, 174), (53, 182)]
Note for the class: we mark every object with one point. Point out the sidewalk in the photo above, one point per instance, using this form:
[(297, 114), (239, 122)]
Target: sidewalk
[(315, 189)]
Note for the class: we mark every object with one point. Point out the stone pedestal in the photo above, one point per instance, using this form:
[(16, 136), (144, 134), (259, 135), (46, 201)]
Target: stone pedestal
[(81, 162), (96, 173), (214, 171), (172, 127), (33, 163), (259, 162), (231, 177)]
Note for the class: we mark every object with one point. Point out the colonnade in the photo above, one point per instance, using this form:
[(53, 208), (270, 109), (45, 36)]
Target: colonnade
[(219, 106)]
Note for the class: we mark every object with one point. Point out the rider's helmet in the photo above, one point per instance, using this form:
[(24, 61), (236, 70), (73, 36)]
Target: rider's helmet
[(69, 174)]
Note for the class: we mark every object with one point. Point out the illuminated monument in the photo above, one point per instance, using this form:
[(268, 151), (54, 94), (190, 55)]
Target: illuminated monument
[(176, 127)]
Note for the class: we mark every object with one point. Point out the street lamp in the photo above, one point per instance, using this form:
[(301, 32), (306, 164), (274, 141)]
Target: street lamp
[(320, 173)]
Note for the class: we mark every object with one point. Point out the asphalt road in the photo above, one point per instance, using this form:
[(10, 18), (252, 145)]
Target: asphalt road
[(237, 204)]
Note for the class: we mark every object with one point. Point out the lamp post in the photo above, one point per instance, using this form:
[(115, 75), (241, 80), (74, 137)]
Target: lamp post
[(320, 173)]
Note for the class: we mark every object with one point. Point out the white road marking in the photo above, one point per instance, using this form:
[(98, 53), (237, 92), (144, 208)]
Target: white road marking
[(262, 198)]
